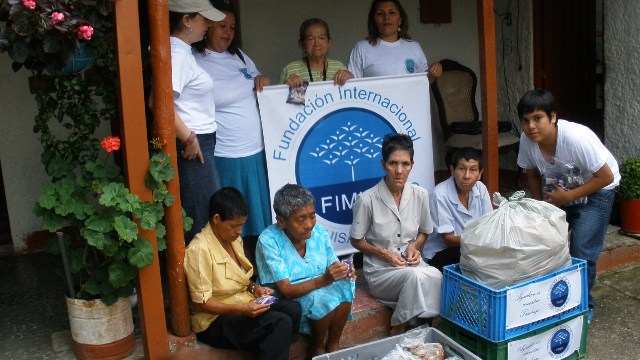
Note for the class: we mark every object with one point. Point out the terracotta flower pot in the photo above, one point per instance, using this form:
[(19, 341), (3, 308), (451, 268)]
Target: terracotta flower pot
[(100, 331), (630, 215)]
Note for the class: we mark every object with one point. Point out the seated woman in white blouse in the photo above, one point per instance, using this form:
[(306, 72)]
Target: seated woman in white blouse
[(390, 225)]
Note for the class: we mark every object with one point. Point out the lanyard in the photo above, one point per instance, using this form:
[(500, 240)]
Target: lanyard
[(324, 69)]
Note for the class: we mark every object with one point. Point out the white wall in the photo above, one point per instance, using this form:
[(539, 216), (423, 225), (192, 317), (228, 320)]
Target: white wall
[(270, 36), (270, 32), (19, 152), (622, 77)]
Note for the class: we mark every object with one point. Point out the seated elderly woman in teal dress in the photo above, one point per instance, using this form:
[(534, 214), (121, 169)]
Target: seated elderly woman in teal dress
[(295, 257)]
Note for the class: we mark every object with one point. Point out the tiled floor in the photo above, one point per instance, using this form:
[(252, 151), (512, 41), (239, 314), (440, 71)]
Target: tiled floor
[(34, 322), (32, 308)]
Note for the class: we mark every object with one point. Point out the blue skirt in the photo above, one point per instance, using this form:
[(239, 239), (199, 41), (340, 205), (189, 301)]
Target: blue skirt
[(249, 175)]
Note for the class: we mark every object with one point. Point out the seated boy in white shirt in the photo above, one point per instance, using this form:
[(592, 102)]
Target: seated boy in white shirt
[(455, 202)]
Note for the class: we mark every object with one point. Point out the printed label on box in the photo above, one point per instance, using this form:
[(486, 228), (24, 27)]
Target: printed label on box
[(540, 300), (556, 343)]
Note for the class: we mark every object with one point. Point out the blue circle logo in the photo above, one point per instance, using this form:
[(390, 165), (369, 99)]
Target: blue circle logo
[(339, 158), (559, 293), (560, 342)]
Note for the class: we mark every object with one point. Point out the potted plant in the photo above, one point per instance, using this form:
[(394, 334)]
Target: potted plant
[(87, 199), (629, 191)]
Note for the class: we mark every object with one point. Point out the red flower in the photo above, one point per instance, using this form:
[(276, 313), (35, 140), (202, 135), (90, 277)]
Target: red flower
[(85, 32), (29, 4), (111, 143), (57, 17)]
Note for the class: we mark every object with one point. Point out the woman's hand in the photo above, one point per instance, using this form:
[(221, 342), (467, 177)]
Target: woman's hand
[(413, 255), (352, 274), (393, 258), (192, 150), (260, 291), (342, 76), (189, 138), (336, 271), (294, 81), (434, 72), (260, 82), (252, 309)]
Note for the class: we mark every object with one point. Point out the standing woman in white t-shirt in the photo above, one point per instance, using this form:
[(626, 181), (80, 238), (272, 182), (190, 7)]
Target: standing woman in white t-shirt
[(194, 111), (240, 156), (388, 49)]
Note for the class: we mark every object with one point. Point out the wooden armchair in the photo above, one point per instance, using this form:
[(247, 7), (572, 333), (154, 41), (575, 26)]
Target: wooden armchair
[(454, 93)]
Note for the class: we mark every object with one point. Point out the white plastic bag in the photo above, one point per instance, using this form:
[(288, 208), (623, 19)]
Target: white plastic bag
[(520, 240)]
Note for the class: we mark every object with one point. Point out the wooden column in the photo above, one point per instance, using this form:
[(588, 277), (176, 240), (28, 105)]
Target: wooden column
[(136, 164), (164, 126), (489, 93)]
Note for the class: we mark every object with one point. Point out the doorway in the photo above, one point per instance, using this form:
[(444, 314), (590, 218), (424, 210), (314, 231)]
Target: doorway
[(566, 58), (5, 229)]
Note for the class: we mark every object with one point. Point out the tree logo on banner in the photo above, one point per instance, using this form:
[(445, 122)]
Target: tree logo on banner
[(339, 158), (349, 146), (559, 343)]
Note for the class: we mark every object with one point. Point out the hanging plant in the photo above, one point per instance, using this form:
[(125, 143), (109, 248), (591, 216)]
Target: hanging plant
[(44, 35)]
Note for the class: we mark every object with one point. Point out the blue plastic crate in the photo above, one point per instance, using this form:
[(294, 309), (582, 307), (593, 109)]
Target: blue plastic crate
[(483, 310)]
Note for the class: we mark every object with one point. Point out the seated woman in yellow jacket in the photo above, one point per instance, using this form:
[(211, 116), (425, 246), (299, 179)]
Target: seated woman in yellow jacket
[(224, 313)]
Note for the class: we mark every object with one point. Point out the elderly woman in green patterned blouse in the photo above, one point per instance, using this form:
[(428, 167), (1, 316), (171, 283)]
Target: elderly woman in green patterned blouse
[(314, 65)]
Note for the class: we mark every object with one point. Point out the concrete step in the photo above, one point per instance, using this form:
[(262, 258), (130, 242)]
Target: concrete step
[(620, 251), (371, 318), (370, 322)]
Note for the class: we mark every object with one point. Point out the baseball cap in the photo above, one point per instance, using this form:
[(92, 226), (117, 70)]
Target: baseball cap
[(203, 7)]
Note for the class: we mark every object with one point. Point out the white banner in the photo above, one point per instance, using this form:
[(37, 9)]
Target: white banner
[(542, 299), (332, 144), (557, 343)]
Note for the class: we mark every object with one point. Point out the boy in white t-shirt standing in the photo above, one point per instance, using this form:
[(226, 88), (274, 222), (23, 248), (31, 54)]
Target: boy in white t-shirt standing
[(568, 166)]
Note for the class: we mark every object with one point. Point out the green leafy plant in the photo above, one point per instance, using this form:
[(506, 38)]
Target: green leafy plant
[(630, 178), (86, 196), (105, 216)]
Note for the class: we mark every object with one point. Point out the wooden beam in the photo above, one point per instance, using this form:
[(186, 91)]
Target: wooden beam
[(136, 163), (489, 93), (164, 127)]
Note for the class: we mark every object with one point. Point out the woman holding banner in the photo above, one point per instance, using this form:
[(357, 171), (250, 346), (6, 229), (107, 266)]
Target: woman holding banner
[(315, 42), (388, 49), (390, 226), (239, 154), (296, 258)]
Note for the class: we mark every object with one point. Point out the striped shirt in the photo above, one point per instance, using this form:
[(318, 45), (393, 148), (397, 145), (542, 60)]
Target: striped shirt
[(299, 68)]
